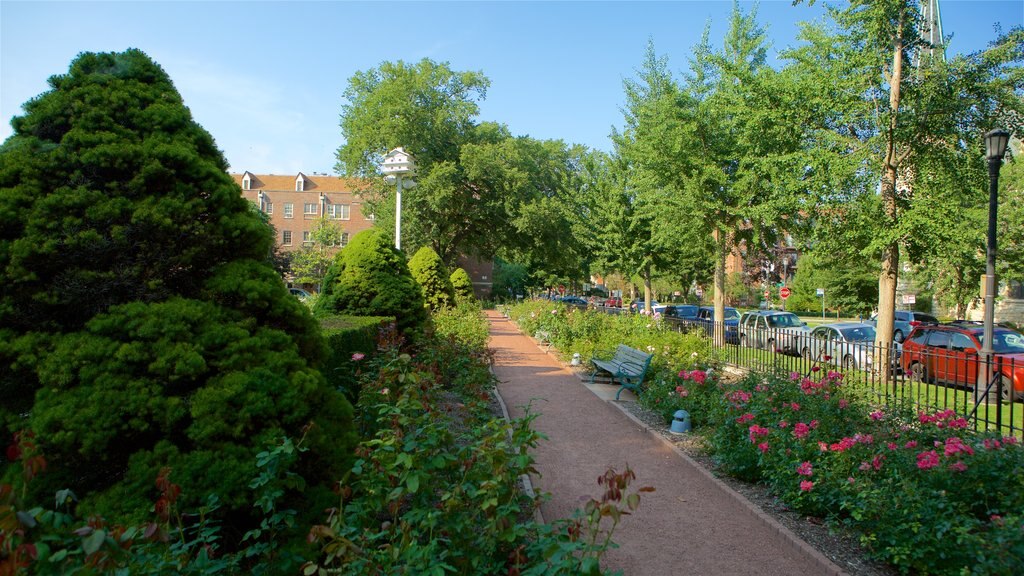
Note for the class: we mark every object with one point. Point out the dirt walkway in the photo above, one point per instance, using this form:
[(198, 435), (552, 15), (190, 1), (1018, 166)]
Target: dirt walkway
[(691, 524)]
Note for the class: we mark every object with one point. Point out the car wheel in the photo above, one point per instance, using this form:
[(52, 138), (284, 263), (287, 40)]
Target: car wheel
[(849, 363), (917, 373), (1009, 395), (898, 336)]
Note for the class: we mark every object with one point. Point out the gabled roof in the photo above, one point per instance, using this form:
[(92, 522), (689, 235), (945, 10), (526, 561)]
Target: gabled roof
[(286, 183)]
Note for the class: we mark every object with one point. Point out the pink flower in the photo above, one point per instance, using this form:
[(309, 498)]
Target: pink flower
[(927, 460), (745, 418), (795, 407), (823, 446), (955, 445), (806, 486), (783, 424), (805, 469), (698, 376), (801, 430), (910, 444), (683, 392), (958, 466), (816, 369), (756, 431), (843, 403), (794, 376), (876, 462), (864, 466), (763, 447), (891, 446), (850, 480), (827, 357), (814, 424), (877, 415), (358, 356)]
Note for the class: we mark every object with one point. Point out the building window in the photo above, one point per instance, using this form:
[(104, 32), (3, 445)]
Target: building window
[(268, 207), (344, 239), (289, 210), (246, 183), (307, 237), (338, 211), (300, 184), (309, 208), (286, 238), (1016, 290)]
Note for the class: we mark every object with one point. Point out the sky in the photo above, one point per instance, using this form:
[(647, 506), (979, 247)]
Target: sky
[(267, 79)]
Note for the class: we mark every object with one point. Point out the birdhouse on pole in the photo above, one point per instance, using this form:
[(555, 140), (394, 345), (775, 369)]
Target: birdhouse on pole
[(398, 163)]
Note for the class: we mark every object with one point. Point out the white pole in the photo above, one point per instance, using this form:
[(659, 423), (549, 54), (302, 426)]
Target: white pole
[(398, 214), (823, 305)]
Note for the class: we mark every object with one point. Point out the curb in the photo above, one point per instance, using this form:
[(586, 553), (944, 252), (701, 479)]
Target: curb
[(538, 516), (795, 542)]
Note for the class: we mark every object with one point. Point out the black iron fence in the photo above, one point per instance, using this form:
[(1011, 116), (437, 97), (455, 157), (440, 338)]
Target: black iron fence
[(928, 379)]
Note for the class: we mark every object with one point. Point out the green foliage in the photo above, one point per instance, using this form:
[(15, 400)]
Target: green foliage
[(143, 326), (435, 281), (350, 339), (463, 286), (310, 262), (462, 323), (369, 277)]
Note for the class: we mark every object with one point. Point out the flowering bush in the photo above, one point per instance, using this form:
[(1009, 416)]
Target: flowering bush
[(924, 492)]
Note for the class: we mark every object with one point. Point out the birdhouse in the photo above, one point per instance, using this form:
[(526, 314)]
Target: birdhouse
[(398, 163), (680, 422)]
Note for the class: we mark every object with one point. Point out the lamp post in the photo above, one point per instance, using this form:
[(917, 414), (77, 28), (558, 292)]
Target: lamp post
[(995, 148), (398, 167)]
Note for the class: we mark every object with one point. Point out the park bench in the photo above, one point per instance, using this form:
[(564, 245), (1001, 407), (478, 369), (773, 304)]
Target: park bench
[(628, 366)]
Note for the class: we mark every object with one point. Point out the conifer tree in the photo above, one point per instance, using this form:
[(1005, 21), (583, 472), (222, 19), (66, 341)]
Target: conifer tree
[(432, 275), (142, 326)]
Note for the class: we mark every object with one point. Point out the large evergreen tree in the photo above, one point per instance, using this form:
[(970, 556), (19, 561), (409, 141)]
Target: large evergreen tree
[(141, 324)]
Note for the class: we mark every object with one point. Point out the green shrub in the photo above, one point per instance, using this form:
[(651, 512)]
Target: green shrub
[(462, 284), (350, 340), (369, 277), (464, 323), (143, 325), (432, 275)]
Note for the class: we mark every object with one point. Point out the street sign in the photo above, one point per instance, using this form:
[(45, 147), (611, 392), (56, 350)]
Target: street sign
[(820, 292), (910, 298), (784, 292), (767, 294), (561, 288)]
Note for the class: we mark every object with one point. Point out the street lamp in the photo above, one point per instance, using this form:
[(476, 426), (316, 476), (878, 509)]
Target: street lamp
[(995, 148), (398, 167)]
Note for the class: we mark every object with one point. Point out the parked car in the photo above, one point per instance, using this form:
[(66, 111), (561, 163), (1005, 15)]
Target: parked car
[(949, 354), (574, 300), (300, 293), (638, 305), (615, 302), (681, 311), (905, 321), (846, 344), (773, 330), (706, 320)]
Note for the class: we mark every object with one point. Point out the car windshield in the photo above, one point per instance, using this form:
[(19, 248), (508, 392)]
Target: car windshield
[(859, 334), (1006, 342), (732, 314), (783, 321)]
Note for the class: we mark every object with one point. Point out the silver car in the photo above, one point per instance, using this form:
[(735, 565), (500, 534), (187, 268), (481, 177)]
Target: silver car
[(846, 344), (773, 330)]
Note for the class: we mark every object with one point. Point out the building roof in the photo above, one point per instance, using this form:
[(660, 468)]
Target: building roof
[(315, 182)]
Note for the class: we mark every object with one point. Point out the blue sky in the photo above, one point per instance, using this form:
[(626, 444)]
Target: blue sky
[(267, 78)]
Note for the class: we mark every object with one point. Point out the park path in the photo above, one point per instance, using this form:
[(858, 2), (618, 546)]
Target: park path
[(691, 524)]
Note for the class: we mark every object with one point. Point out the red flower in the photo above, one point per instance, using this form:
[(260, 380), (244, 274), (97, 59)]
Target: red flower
[(927, 460), (805, 469), (806, 486)]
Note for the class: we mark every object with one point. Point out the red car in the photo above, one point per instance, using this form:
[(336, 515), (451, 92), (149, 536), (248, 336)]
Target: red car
[(613, 302), (949, 354)]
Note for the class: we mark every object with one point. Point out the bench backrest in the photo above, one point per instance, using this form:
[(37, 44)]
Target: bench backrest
[(626, 354)]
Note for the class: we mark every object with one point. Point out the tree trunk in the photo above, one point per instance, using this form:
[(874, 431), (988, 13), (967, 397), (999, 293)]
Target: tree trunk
[(721, 251), (890, 254), (646, 273)]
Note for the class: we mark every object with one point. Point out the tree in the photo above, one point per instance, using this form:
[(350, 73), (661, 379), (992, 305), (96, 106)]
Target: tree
[(369, 277), (142, 323), (479, 189), (433, 277), (310, 262), (900, 120), (463, 285)]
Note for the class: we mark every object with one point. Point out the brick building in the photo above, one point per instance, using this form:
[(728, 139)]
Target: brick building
[(294, 205)]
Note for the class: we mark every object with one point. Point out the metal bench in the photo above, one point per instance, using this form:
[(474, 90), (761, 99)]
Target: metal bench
[(543, 338), (628, 366)]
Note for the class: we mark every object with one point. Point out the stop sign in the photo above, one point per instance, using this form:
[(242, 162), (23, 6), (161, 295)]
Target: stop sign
[(767, 294), (784, 292), (561, 288)]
